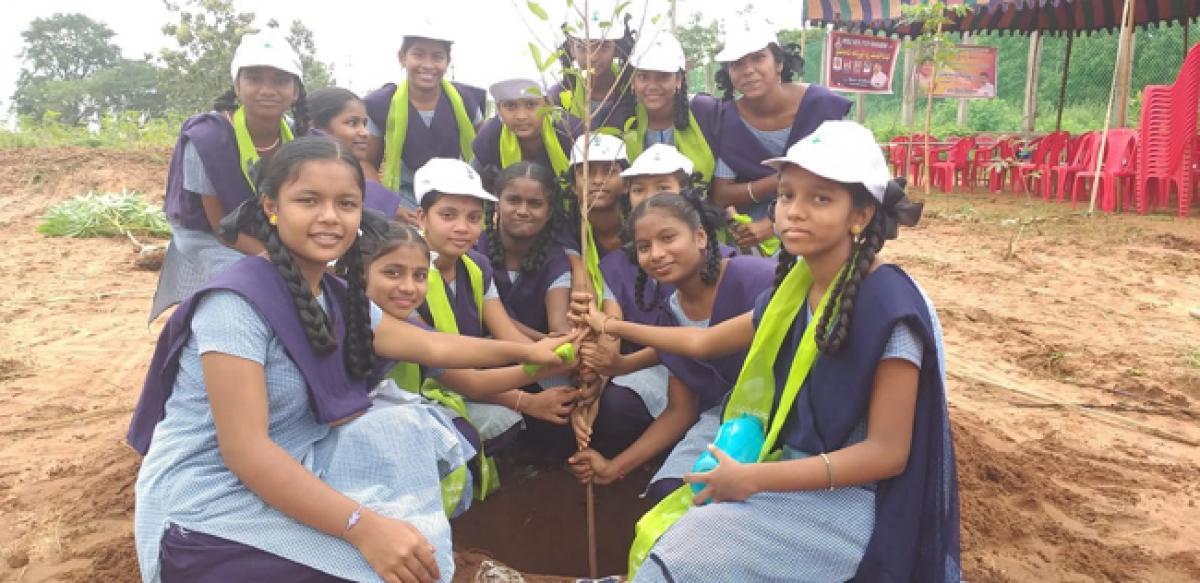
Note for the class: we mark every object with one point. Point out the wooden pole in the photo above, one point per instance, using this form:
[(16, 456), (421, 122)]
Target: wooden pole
[(908, 100), (1062, 90), (860, 108), (1029, 121), (1126, 76), (1126, 20), (927, 166), (962, 103)]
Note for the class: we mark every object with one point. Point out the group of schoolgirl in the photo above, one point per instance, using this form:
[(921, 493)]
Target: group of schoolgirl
[(369, 313)]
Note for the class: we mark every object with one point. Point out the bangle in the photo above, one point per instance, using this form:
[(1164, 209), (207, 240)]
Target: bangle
[(828, 470), (520, 395), (604, 325), (353, 520), (750, 191)]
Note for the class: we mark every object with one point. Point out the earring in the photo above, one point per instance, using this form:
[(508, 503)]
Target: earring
[(273, 219), (856, 230)]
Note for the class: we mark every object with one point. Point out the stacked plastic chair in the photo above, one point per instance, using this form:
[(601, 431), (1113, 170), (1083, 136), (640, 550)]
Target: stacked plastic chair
[(1168, 129), (1083, 158), (1120, 159), (957, 165)]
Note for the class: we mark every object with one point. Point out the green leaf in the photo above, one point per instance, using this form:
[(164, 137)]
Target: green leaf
[(536, 53), (537, 10)]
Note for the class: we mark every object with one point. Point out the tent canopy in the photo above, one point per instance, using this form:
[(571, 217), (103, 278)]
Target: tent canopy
[(1013, 16)]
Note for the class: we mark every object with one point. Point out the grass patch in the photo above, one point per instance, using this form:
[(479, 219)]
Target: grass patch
[(104, 215)]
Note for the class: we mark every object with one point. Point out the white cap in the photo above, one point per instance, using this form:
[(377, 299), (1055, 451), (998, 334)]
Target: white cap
[(513, 89), (266, 48), (843, 151), (658, 51), (449, 176), (603, 148), (431, 28), (742, 37), (657, 160)]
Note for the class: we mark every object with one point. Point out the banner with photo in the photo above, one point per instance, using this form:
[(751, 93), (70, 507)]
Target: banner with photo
[(969, 74), (860, 63)]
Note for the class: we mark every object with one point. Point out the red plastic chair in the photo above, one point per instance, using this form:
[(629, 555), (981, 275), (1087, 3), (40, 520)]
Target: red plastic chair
[(1120, 156), (1084, 158), (1047, 152), (916, 157), (897, 154), (1168, 154), (946, 174), (998, 170), (981, 157)]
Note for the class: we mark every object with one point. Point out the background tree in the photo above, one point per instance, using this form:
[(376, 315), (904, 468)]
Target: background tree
[(74, 74), (699, 46), (207, 34)]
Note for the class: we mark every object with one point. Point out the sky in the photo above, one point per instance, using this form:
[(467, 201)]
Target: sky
[(360, 38)]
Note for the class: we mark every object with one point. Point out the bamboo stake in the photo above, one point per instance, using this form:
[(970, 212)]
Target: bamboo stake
[(1126, 18), (584, 228), (929, 110)]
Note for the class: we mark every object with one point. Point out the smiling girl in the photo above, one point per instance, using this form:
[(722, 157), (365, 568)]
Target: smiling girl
[(423, 117), (341, 115), (263, 459), (845, 374), (216, 159), (523, 130), (771, 114), (674, 240)]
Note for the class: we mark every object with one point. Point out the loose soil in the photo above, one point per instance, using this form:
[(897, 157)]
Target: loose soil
[(1074, 381)]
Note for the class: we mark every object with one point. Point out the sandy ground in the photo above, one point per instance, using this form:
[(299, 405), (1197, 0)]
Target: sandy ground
[(1074, 380)]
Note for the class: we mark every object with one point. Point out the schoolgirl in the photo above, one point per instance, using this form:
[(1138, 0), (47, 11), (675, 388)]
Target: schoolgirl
[(341, 115), (397, 280), (674, 238), (262, 459), (523, 130), (532, 272), (663, 114), (423, 117), (771, 114), (600, 50), (864, 487), (637, 391), (213, 166), (462, 295)]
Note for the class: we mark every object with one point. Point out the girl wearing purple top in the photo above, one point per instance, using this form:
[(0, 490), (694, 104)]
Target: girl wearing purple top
[(425, 116), (674, 237), (771, 114), (605, 54), (845, 373), (263, 457), (340, 114), (216, 158)]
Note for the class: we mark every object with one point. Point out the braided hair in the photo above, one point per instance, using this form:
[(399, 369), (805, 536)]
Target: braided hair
[(359, 352), (788, 54), (228, 103), (682, 106), (697, 213), (536, 259)]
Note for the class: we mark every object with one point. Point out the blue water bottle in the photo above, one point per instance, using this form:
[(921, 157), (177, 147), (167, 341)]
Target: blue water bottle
[(740, 438)]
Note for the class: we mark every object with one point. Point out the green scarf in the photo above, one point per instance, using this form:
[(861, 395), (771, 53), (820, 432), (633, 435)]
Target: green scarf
[(408, 376), (397, 131), (690, 142), (510, 147), (753, 394), (247, 153)]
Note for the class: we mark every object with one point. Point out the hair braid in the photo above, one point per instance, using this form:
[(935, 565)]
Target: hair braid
[(639, 291), (682, 109), (300, 119), (862, 256), (359, 353), (786, 262), (709, 221), (312, 315), (495, 245)]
